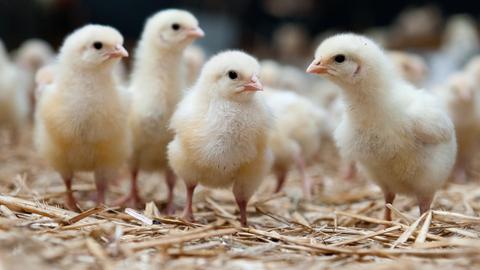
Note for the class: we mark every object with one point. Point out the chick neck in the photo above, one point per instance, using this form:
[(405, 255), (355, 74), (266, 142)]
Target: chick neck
[(93, 77), (372, 100), (159, 64)]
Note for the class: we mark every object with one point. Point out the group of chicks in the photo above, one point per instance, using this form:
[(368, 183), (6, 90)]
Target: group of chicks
[(210, 125)]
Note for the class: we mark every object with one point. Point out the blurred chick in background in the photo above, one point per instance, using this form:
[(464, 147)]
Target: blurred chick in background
[(30, 57), (157, 85), (221, 131), (296, 136), (81, 121), (461, 102), (411, 67), (194, 58), (460, 42), (14, 105)]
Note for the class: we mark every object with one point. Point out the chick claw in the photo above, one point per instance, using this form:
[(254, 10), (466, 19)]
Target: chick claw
[(71, 203)]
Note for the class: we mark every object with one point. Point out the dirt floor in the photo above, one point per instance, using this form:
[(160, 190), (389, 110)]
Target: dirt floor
[(341, 227)]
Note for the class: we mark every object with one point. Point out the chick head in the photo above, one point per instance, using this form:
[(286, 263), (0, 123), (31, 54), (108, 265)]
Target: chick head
[(93, 46), (232, 75), (172, 29), (348, 59), (34, 53)]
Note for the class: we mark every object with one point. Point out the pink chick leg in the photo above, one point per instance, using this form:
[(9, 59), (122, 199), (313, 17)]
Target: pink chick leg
[(170, 180), (133, 198), (424, 203), (242, 206), (307, 181), (350, 172), (389, 198), (70, 201), (187, 211), (281, 177)]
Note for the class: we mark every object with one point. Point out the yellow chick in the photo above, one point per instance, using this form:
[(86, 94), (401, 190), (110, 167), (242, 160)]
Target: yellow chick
[(81, 120), (13, 98), (221, 130), (194, 57), (460, 100), (400, 136), (30, 57), (411, 67), (157, 86), (296, 136)]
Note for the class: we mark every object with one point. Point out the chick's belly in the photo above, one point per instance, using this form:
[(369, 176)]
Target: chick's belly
[(214, 178), (89, 156), (399, 174), (150, 157)]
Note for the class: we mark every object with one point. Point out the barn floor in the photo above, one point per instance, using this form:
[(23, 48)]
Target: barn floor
[(341, 227)]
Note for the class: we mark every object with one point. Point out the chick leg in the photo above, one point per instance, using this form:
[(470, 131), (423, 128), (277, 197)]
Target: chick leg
[(424, 203), (350, 172), (187, 211), (281, 177), (133, 196), (170, 179), (70, 201), (242, 206), (389, 198), (307, 181), (242, 195), (101, 180)]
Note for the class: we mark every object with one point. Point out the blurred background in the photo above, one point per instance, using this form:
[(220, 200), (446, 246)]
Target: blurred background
[(285, 30), (245, 24)]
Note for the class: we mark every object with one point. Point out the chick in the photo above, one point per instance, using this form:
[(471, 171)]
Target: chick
[(13, 98), (296, 136), (410, 66), (33, 54), (460, 43), (81, 121), (156, 88), (194, 57), (460, 100), (473, 70), (400, 136), (30, 57), (221, 130)]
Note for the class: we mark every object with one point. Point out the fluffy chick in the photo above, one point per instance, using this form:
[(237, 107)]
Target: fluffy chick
[(30, 57), (33, 54), (221, 130), (472, 68), (157, 87), (81, 121), (194, 57), (460, 100), (410, 66), (13, 98), (296, 136), (400, 136)]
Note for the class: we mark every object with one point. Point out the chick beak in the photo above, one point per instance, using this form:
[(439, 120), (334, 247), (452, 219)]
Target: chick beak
[(316, 67), (195, 32), (253, 85), (118, 51)]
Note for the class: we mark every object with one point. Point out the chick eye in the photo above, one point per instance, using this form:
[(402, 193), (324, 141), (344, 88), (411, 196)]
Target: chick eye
[(175, 26), (339, 58), (232, 75), (97, 45)]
